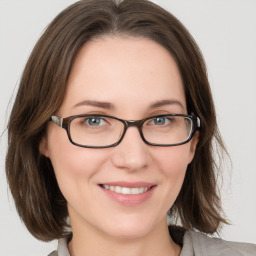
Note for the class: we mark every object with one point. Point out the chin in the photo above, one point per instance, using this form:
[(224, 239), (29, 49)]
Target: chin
[(127, 229)]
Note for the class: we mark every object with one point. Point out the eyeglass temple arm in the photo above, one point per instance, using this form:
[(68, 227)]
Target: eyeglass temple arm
[(198, 122), (57, 120)]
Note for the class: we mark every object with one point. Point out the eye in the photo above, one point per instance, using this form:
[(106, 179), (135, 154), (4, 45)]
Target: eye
[(94, 121), (161, 120)]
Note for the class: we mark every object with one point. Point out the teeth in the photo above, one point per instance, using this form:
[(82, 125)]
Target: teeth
[(126, 191)]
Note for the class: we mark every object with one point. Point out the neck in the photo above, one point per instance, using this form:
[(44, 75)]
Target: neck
[(91, 241)]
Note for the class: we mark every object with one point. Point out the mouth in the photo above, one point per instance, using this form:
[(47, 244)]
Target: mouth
[(127, 190), (129, 193)]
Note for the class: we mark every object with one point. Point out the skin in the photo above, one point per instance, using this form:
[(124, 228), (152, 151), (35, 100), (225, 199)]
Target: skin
[(131, 74)]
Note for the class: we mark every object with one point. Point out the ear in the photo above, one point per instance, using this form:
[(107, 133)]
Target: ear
[(43, 146), (193, 145)]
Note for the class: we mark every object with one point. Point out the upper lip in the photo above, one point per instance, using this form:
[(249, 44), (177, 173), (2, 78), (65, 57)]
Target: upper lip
[(126, 184)]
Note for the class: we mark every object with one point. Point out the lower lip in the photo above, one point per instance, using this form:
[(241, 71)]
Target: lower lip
[(129, 200)]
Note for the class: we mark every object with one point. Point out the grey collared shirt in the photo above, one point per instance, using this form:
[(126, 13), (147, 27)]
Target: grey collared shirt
[(194, 244)]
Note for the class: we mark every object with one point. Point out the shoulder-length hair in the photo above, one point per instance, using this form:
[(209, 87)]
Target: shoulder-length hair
[(31, 178)]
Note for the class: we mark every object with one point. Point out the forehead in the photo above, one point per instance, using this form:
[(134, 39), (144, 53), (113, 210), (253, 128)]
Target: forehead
[(123, 70)]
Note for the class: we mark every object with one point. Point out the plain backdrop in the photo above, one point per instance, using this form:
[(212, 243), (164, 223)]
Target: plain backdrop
[(226, 33)]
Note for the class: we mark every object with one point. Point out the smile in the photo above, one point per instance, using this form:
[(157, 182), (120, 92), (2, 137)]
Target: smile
[(125, 190), (129, 193)]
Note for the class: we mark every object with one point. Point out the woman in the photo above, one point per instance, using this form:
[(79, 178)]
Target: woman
[(112, 128)]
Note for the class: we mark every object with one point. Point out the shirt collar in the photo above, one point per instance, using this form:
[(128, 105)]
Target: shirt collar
[(187, 248)]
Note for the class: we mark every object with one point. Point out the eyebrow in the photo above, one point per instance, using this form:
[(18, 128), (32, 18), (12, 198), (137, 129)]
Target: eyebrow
[(108, 105), (166, 102), (99, 104)]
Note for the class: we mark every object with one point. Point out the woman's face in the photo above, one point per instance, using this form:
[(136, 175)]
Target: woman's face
[(129, 78)]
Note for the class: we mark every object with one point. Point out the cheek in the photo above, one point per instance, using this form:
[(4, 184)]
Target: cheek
[(73, 166), (174, 160), (173, 164)]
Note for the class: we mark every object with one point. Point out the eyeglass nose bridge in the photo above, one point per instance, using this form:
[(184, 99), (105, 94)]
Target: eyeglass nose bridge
[(136, 123), (133, 123)]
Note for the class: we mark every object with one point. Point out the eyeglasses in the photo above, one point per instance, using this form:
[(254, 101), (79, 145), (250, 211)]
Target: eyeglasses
[(102, 131)]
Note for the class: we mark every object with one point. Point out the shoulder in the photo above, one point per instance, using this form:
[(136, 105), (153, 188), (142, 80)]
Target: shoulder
[(203, 245)]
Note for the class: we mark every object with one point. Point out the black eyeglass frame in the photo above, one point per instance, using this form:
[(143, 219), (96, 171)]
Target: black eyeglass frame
[(64, 122)]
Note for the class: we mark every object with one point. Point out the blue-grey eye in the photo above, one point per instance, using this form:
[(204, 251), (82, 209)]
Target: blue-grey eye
[(160, 120), (94, 121)]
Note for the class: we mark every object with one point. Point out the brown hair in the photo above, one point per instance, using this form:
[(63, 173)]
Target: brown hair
[(31, 178)]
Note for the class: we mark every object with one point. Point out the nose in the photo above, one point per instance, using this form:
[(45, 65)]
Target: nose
[(132, 153)]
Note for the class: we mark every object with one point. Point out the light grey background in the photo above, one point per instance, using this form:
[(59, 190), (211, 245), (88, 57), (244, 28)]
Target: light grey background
[(226, 32)]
